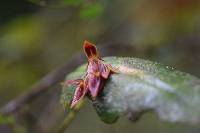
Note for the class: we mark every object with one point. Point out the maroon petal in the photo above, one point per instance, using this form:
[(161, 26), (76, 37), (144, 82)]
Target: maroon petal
[(78, 95), (93, 67), (76, 81), (94, 84), (104, 71), (90, 49)]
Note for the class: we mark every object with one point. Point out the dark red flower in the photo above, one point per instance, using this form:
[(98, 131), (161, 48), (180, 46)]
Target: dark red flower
[(94, 79)]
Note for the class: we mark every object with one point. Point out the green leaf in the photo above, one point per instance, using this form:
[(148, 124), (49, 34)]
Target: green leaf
[(6, 119), (141, 85), (91, 11)]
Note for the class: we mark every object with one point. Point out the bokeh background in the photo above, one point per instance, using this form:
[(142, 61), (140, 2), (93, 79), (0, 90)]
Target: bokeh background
[(38, 36)]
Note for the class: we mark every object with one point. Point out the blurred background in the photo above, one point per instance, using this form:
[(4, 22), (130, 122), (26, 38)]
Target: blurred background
[(38, 36)]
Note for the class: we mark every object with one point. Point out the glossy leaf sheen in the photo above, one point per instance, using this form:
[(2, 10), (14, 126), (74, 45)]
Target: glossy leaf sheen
[(142, 85)]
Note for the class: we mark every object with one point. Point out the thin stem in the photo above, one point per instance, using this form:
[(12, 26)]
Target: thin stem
[(70, 117)]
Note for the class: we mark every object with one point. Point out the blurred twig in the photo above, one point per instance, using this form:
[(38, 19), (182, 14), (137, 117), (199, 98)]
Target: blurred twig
[(42, 85), (57, 76)]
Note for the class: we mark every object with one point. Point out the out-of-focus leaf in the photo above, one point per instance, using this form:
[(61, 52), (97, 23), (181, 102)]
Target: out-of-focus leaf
[(21, 35), (141, 85), (91, 11), (6, 120), (11, 122)]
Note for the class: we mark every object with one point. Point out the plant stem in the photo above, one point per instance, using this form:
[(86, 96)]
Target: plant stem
[(70, 116)]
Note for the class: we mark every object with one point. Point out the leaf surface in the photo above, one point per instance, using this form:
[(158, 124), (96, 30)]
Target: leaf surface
[(140, 85)]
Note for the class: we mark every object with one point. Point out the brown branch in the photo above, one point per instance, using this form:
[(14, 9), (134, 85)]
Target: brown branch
[(57, 76), (42, 85)]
